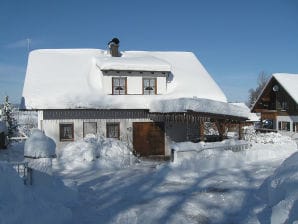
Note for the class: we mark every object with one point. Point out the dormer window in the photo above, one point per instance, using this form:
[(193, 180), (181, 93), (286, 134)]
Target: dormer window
[(119, 86), (149, 86)]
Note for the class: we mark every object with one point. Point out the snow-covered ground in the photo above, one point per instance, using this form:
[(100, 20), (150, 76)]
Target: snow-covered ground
[(104, 183)]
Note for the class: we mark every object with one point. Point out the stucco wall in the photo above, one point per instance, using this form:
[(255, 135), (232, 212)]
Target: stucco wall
[(174, 131)]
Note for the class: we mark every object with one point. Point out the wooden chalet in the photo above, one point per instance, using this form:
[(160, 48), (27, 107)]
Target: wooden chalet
[(278, 103)]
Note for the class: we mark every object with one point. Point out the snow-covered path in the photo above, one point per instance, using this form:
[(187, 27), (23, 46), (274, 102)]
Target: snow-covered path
[(144, 194)]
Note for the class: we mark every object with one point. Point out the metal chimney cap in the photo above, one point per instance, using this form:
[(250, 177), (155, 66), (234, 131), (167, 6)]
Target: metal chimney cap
[(115, 40)]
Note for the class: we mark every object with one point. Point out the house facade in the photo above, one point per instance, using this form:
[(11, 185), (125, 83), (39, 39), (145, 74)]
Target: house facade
[(278, 103), (146, 99)]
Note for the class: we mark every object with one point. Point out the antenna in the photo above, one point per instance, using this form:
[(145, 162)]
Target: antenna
[(28, 44)]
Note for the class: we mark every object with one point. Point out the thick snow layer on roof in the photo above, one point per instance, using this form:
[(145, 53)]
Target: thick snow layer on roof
[(130, 63), (289, 82), (71, 78), (251, 116), (199, 105)]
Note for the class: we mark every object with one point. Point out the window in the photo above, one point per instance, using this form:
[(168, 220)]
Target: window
[(66, 132), (149, 86), (284, 126), (284, 105), (89, 128), (113, 130), (119, 86)]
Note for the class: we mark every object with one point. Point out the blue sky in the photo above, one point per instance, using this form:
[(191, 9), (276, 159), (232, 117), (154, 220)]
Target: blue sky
[(234, 39)]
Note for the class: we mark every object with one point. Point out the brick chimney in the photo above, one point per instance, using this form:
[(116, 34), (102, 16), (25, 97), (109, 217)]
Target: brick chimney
[(114, 47)]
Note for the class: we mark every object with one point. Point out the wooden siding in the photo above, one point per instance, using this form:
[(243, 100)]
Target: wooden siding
[(279, 101)]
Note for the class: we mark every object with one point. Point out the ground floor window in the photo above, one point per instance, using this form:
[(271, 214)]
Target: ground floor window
[(295, 127), (66, 132), (284, 126), (89, 128), (113, 130)]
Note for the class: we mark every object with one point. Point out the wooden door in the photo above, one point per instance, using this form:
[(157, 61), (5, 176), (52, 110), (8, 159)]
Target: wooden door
[(149, 138)]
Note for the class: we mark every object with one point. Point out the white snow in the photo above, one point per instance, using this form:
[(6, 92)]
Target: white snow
[(127, 63), (253, 117), (202, 185), (46, 202), (289, 82), (198, 105), (38, 145), (99, 152), (53, 77)]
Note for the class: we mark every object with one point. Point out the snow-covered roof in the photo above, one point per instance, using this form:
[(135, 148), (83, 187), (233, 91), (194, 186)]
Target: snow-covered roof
[(253, 117), (133, 63), (199, 105), (73, 78), (289, 82)]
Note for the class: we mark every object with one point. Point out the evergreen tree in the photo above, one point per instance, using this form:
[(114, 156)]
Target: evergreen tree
[(7, 115)]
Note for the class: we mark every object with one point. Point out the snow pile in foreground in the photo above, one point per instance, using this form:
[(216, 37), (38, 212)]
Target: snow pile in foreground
[(282, 193), (38, 145), (44, 202), (97, 152)]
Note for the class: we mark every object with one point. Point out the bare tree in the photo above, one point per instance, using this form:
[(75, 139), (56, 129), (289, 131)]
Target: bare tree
[(254, 93)]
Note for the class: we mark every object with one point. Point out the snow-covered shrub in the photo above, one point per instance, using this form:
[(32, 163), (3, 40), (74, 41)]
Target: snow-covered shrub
[(38, 145)]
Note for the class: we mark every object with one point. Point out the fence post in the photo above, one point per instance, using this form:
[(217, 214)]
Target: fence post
[(172, 155)]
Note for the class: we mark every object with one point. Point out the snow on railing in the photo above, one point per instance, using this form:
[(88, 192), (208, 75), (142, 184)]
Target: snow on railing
[(234, 148), (24, 171)]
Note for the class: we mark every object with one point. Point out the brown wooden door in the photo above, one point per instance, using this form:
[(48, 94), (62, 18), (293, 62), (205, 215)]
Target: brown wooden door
[(149, 138)]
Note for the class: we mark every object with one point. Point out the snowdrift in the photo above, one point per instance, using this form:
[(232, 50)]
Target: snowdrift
[(281, 193), (95, 152), (41, 203)]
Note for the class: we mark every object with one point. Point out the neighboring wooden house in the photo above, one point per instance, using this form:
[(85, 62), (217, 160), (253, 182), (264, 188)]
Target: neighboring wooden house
[(278, 103), (144, 98)]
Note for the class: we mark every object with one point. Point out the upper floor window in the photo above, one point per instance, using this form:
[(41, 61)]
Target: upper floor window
[(149, 86), (119, 86)]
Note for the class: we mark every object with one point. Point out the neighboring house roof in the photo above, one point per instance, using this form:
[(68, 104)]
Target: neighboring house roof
[(289, 82), (253, 117)]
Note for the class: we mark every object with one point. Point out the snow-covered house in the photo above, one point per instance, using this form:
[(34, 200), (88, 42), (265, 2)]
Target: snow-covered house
[(278, 103), (144, 98)]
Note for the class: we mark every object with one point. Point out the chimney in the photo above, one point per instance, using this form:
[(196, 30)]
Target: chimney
[(114, 47)]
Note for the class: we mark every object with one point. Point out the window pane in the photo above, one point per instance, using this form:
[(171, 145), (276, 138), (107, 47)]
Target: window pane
[(66, 132), (113, 130), (116, 81)]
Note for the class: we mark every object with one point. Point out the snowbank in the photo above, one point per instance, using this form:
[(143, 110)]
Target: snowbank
[(212, 156), (38, 145), (281, 193), (99, 152), (33, 204)]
